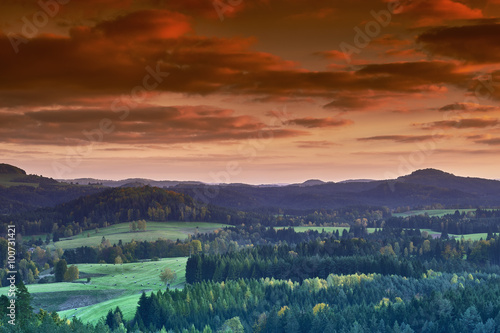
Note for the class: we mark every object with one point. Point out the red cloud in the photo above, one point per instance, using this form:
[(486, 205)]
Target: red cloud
[(432, 12), (462, 123), (161, 125), (490, 141), (475, 43), (333, 54), (469, 107), (320, 122), (146, 25), (111, 58), (403, 138)]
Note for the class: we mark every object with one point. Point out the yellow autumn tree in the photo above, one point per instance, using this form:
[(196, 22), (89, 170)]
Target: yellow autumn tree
[(282, 311), (319, 307)]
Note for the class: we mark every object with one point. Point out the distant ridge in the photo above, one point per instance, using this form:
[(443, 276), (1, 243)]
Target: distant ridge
[(312, 182), (11, 170), (20, 192), (357, 181), (437, 178), (429, 173), (129, 182), (420, 188)]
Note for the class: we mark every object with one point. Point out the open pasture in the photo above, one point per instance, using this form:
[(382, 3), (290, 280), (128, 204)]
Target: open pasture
[(115, 285), (154, 230)]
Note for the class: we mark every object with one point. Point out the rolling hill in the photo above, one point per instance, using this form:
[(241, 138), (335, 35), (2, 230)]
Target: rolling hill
[(422, 187), (20, 192)]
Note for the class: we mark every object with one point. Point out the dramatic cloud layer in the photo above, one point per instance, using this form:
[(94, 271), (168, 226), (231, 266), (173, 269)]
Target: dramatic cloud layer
[(165, 125), (273, 82)]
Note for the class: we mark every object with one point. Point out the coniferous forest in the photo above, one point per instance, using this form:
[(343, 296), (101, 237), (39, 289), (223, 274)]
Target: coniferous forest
[(257, 278)]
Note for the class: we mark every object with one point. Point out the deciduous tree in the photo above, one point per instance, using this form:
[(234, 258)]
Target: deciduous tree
[(168, 276)]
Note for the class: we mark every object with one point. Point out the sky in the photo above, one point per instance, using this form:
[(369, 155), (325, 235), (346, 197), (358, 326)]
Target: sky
[(261, 91)]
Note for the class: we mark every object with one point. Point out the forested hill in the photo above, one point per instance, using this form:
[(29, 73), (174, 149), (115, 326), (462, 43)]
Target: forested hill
[(132, 203), (421, 188), (436, 178), (20, 192), (10, 169)]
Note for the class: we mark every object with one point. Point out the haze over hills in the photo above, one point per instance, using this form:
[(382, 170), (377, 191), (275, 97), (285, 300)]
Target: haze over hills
[(420, 188), (127, 182), (21, 192)]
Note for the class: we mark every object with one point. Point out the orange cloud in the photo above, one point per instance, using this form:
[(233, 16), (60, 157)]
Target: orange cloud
[(332, 54), (490, 141), (310, 122), (469, 107), (146, 25), (473, 43), (111, 58), (403, 138), (462, 123), (315, 144), (147, 125), (432, 12)]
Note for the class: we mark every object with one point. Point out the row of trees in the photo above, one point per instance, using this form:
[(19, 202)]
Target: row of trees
[(140, 225), (479, 221), (64, 273), (132, 251), (250, 264)]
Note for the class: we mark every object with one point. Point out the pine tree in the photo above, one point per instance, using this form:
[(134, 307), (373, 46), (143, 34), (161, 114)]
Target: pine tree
[(23, 303), (109, 320), (292, 325), (60, 270)]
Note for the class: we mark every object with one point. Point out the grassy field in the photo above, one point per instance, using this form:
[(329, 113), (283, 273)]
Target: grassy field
[(92, 313), (477, 236), (111, 286), (154, 230), (432, 212), (471, 236), (327, 229)]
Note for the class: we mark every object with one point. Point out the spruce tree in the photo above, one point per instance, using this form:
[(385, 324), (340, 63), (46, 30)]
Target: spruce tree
[(60, 270)]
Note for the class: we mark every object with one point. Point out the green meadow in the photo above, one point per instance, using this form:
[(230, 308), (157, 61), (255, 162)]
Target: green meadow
[(154, 230), (473, 237), (110, 286), (432, 212), (114, 285)]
